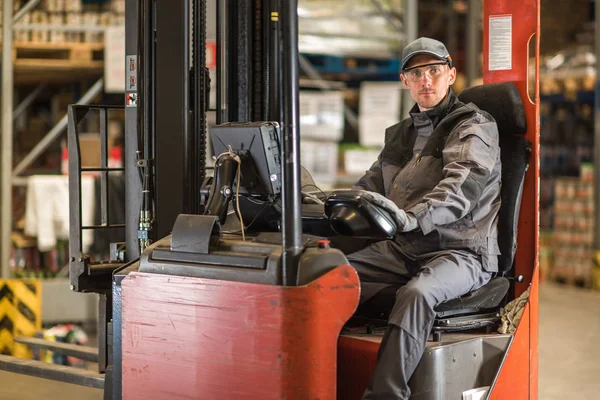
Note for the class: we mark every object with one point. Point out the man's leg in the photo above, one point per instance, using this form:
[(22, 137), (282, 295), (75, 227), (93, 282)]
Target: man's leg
[(381, 265), (443, 277)]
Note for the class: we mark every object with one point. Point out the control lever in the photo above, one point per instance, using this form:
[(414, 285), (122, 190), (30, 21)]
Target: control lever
[(221, 190), (518, 279)]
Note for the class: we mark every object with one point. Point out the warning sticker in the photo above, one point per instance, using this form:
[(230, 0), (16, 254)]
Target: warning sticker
[(131, 68), (131, 73), (500, 46), (131, 99)]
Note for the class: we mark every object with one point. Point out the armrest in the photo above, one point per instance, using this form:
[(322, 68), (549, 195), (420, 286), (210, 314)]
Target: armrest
[(351, 214)]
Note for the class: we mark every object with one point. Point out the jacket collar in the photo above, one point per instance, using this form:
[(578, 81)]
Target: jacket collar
[(400, 139), (435, 115)]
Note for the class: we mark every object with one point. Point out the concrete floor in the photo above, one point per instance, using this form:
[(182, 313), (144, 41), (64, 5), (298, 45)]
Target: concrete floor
[(21, 387), (569, 346), (569, 353)]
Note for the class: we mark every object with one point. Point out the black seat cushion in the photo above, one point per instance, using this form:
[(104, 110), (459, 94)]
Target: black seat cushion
[(487, 297), (514, 154), (503, 102)]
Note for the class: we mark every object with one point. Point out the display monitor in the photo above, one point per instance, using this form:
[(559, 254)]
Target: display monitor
[(258, 145)]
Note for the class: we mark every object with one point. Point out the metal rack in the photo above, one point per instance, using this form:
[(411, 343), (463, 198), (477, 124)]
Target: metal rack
[(80, 265), (366, 27), (10, 176)]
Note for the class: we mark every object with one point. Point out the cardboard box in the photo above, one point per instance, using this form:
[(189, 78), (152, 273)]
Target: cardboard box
[(380, 98), (89, 145), (322, 115), (357, 161), (320, 159), (379, 108), (371, 129)]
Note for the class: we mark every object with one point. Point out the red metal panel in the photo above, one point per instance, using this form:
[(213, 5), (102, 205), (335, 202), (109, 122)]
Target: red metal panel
[(357, 358), (533, 337), (191, 338), (513, 381), (525, 25)]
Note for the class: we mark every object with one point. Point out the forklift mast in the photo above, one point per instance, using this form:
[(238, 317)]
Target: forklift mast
[(168, 127)]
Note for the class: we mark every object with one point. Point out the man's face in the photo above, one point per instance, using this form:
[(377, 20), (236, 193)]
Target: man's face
[(428, 85)]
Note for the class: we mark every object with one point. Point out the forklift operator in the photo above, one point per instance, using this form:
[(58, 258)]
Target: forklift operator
[(439, 174)]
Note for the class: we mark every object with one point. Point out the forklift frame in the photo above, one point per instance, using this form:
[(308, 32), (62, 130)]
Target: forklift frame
[(296, 356)]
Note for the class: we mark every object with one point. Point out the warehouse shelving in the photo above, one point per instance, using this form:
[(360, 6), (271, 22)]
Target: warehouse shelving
[(46, 45)]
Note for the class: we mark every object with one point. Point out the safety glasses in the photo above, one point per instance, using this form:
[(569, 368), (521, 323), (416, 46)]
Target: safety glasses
[(434, 71)]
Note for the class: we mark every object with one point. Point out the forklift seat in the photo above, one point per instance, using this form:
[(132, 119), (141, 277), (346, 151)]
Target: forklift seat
[(478, 308)]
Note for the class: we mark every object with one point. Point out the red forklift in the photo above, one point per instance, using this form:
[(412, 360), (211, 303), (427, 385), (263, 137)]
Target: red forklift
[(226, 285)]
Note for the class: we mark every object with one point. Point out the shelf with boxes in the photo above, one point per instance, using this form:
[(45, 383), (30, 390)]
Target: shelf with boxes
[(379, 106), (566, 192), (566, 144), (335, 153), (573, 234), (567, 83), (63, 40), (568, 75), (357, 44), (321, 129)]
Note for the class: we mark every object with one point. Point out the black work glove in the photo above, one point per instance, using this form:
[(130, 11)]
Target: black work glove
[(406, 221)]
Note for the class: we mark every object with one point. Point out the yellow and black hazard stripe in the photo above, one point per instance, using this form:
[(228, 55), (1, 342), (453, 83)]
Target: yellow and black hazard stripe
[(20, 314)]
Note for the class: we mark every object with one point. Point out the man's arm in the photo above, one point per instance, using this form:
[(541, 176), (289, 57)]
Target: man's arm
[(372, 180), (470, 156)]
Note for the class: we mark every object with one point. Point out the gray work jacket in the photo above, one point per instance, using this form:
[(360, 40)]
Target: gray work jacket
[(452, 187)]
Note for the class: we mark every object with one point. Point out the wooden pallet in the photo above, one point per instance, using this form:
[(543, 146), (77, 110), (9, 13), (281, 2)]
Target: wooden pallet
[(57, 56)]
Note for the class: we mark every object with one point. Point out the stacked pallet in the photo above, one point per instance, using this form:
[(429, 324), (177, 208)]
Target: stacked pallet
[(573, 231), (65, 37), (36, 26)]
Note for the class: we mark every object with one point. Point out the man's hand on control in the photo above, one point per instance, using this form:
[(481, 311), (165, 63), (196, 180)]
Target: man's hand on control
[(406, 221)]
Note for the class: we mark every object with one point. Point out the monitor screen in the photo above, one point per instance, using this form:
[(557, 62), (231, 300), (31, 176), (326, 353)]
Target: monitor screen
[(259, 148)]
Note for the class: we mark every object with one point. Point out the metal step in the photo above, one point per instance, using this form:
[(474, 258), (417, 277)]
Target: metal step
[(61, 373), (74, 350)]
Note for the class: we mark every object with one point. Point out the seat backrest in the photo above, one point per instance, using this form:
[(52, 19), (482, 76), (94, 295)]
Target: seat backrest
[(503, 102)]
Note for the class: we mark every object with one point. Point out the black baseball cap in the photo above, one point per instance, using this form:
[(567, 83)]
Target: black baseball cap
[(425, 45)]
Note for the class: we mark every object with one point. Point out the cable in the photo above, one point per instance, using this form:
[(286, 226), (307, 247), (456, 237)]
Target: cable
[(237, 198), (315, 186), (266, 206), (310, 198)]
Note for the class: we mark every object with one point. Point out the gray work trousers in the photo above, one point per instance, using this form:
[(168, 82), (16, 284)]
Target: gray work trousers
[(428, 280)]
